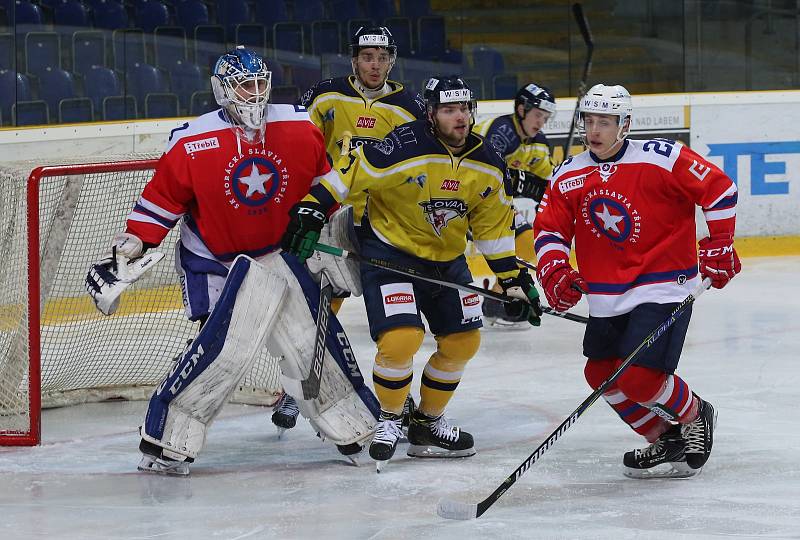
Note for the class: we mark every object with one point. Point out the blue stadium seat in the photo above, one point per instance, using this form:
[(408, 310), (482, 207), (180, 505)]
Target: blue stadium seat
[(30, 113), (305, 76), (128, 47), (13, 86), (344, 10), (285, 94), (505, 86), (191, 13), (487, 62), (277, 71), (269, 12), (100, 82), (75, 110), (253, 36), (380, 10), (312, 10), (231, 13), (71, 14), (42, 50), (400, 27), (110, 14), (8, 51), (475, 84), (186, 79), (288, 36), (143, 79), (325, 37), (25, 16), (169, 45), (88, 49), (202, 102), (161, 105), (414, 9), (119, 108), (54, 85), (209, 44), (151, 14), (431, 40)]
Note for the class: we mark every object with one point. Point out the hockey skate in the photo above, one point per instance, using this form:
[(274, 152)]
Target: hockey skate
[(494, 313), (435, 437), (387, 434), (285, 414), (663, 459), (153, 461), (699, 436), (351, 451)]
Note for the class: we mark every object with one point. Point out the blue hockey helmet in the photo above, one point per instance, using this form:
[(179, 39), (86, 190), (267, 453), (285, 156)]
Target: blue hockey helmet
[(241, 84)]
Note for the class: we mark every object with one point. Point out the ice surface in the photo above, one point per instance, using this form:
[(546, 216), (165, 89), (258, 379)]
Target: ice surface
[(741, 354)]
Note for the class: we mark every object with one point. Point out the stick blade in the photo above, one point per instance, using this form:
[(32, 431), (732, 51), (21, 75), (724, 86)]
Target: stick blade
[(450, 509)]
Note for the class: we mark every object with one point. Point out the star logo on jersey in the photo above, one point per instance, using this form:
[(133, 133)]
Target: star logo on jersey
[(609, 220), (255, 180), (606, 170), (610, 214), (439, 212)]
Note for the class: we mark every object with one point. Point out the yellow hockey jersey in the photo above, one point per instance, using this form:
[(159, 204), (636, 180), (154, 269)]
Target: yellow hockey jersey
[(530, 154), (337, 107), (423, 199)]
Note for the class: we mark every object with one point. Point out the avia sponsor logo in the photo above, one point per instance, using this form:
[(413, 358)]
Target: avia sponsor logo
[(571, 184), (366, 122), (203, 144), (471, 300), (450, 185), (609, 213), (398, 298), (254, 180), (439, 212)]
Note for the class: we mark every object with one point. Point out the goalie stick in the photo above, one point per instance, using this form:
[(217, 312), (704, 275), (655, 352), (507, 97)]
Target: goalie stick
[(311, 383), (583, 26), (413, 272), (451, 509)]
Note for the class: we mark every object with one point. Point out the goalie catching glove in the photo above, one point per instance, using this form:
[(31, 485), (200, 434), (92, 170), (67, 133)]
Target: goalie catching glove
[(526, 304), (306, 220), (111, 275)]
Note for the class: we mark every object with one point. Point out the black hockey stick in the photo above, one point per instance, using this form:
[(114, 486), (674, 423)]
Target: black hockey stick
[(311, 383), (583, 26), (413, 272), (459, 510)]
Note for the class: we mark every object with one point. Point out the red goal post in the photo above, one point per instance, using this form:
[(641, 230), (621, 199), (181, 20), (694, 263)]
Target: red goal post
[(56, 349)]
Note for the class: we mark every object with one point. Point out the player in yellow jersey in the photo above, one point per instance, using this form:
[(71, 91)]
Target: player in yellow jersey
[(429, 181), (520, 140)]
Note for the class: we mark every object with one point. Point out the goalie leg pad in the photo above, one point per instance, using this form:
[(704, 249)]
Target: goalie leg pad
[(344, 273), (346, 409), (189, 398)]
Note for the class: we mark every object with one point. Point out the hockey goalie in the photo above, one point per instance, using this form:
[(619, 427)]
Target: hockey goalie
[(229, 177)]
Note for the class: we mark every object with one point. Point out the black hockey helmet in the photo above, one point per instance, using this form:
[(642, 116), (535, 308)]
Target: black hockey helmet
[(441, 90), (532, 95), (372, 36)]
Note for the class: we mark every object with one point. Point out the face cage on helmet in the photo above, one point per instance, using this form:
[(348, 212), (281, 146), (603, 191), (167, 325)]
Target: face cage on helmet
[(432, 107), (621, 132), (251, 110), (354, 62)]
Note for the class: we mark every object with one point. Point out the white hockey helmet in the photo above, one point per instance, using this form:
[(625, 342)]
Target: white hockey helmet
[(607, 99), (242, 84)]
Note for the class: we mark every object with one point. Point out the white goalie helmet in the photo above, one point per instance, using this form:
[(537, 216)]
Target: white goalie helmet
[(607, 99), (241, 84)]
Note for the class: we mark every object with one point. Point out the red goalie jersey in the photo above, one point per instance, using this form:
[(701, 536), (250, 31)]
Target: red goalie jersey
[(633, 221), (234, 197)]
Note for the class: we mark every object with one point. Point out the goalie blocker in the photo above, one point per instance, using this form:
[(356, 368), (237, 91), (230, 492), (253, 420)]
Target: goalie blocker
[(272, 303)]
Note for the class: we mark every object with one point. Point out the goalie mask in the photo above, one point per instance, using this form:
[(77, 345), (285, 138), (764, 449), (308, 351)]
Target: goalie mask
[(610, 100), (241, 84), (380, 53)]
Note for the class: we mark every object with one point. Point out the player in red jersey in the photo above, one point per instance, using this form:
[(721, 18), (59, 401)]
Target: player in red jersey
[(230, 177), (629, 206)]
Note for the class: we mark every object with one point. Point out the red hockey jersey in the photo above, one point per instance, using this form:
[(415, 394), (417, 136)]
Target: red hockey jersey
[(633, 221), (234, 197)]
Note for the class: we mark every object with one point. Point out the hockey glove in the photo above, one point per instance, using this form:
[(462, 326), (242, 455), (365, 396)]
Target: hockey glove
[(526, 305), (718, 260), (128, 245), (528, 185), (109, 277), (561, 283), (306, 219)]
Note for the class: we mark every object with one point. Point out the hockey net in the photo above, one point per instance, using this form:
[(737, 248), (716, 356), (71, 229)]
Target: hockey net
[(56, 349)]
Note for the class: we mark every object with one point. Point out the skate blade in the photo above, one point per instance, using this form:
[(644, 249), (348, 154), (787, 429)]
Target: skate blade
[(281, 431), (665, 470), (157, 466), (495, 323), (380, 464), (427, 451)]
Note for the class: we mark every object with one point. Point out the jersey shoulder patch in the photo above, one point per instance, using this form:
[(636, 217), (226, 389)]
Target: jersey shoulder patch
[(199, 128)]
